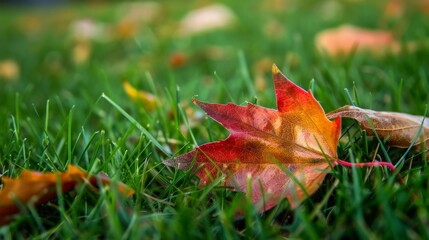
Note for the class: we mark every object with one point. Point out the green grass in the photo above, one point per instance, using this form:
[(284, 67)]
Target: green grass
[(59, 112)]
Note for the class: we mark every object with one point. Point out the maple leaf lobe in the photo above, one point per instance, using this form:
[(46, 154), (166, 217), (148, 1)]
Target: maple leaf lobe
[(302, 105)]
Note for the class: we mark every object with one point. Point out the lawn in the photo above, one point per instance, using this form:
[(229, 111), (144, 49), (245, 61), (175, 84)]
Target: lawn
[(63, 101)]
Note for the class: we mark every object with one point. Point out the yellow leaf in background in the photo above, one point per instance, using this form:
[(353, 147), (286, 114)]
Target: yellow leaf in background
[(9, 70), (148, 100), (36, 188), (81, 52)]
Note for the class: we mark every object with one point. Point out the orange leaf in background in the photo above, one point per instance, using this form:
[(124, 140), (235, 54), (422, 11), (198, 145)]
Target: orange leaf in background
[(177, 59), (37, 188), (394, 8), (148, 100), (399, 128), (264, 142), (346, 38), (126, 29), (398, 8)]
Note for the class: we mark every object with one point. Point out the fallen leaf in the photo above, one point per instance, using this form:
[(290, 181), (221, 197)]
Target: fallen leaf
[(140, 12), (269, 151), (81, 52), (125, 29), (394, 8), (259, 69), (87, 29), (148, 100), (36, 188), (424, 6), (262, 141), (177, 59), (398, 8), (205, 19), (399, 128), (9, 70), (345, 39)]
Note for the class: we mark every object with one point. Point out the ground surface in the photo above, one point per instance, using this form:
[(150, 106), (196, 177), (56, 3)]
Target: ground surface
[(60, 60)]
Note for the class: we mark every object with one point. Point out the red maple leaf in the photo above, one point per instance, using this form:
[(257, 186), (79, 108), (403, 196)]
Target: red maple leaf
[(282, 153)]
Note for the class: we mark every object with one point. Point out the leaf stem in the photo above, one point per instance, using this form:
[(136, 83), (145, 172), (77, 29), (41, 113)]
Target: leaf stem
[(367, 164)]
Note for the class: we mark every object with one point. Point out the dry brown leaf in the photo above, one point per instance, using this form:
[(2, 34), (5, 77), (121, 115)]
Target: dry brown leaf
[(399, 128), (345, 39), (35, 188)]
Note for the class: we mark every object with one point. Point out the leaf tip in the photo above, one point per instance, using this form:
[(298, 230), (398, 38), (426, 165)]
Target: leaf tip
[(195, 101), (275, 69)]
